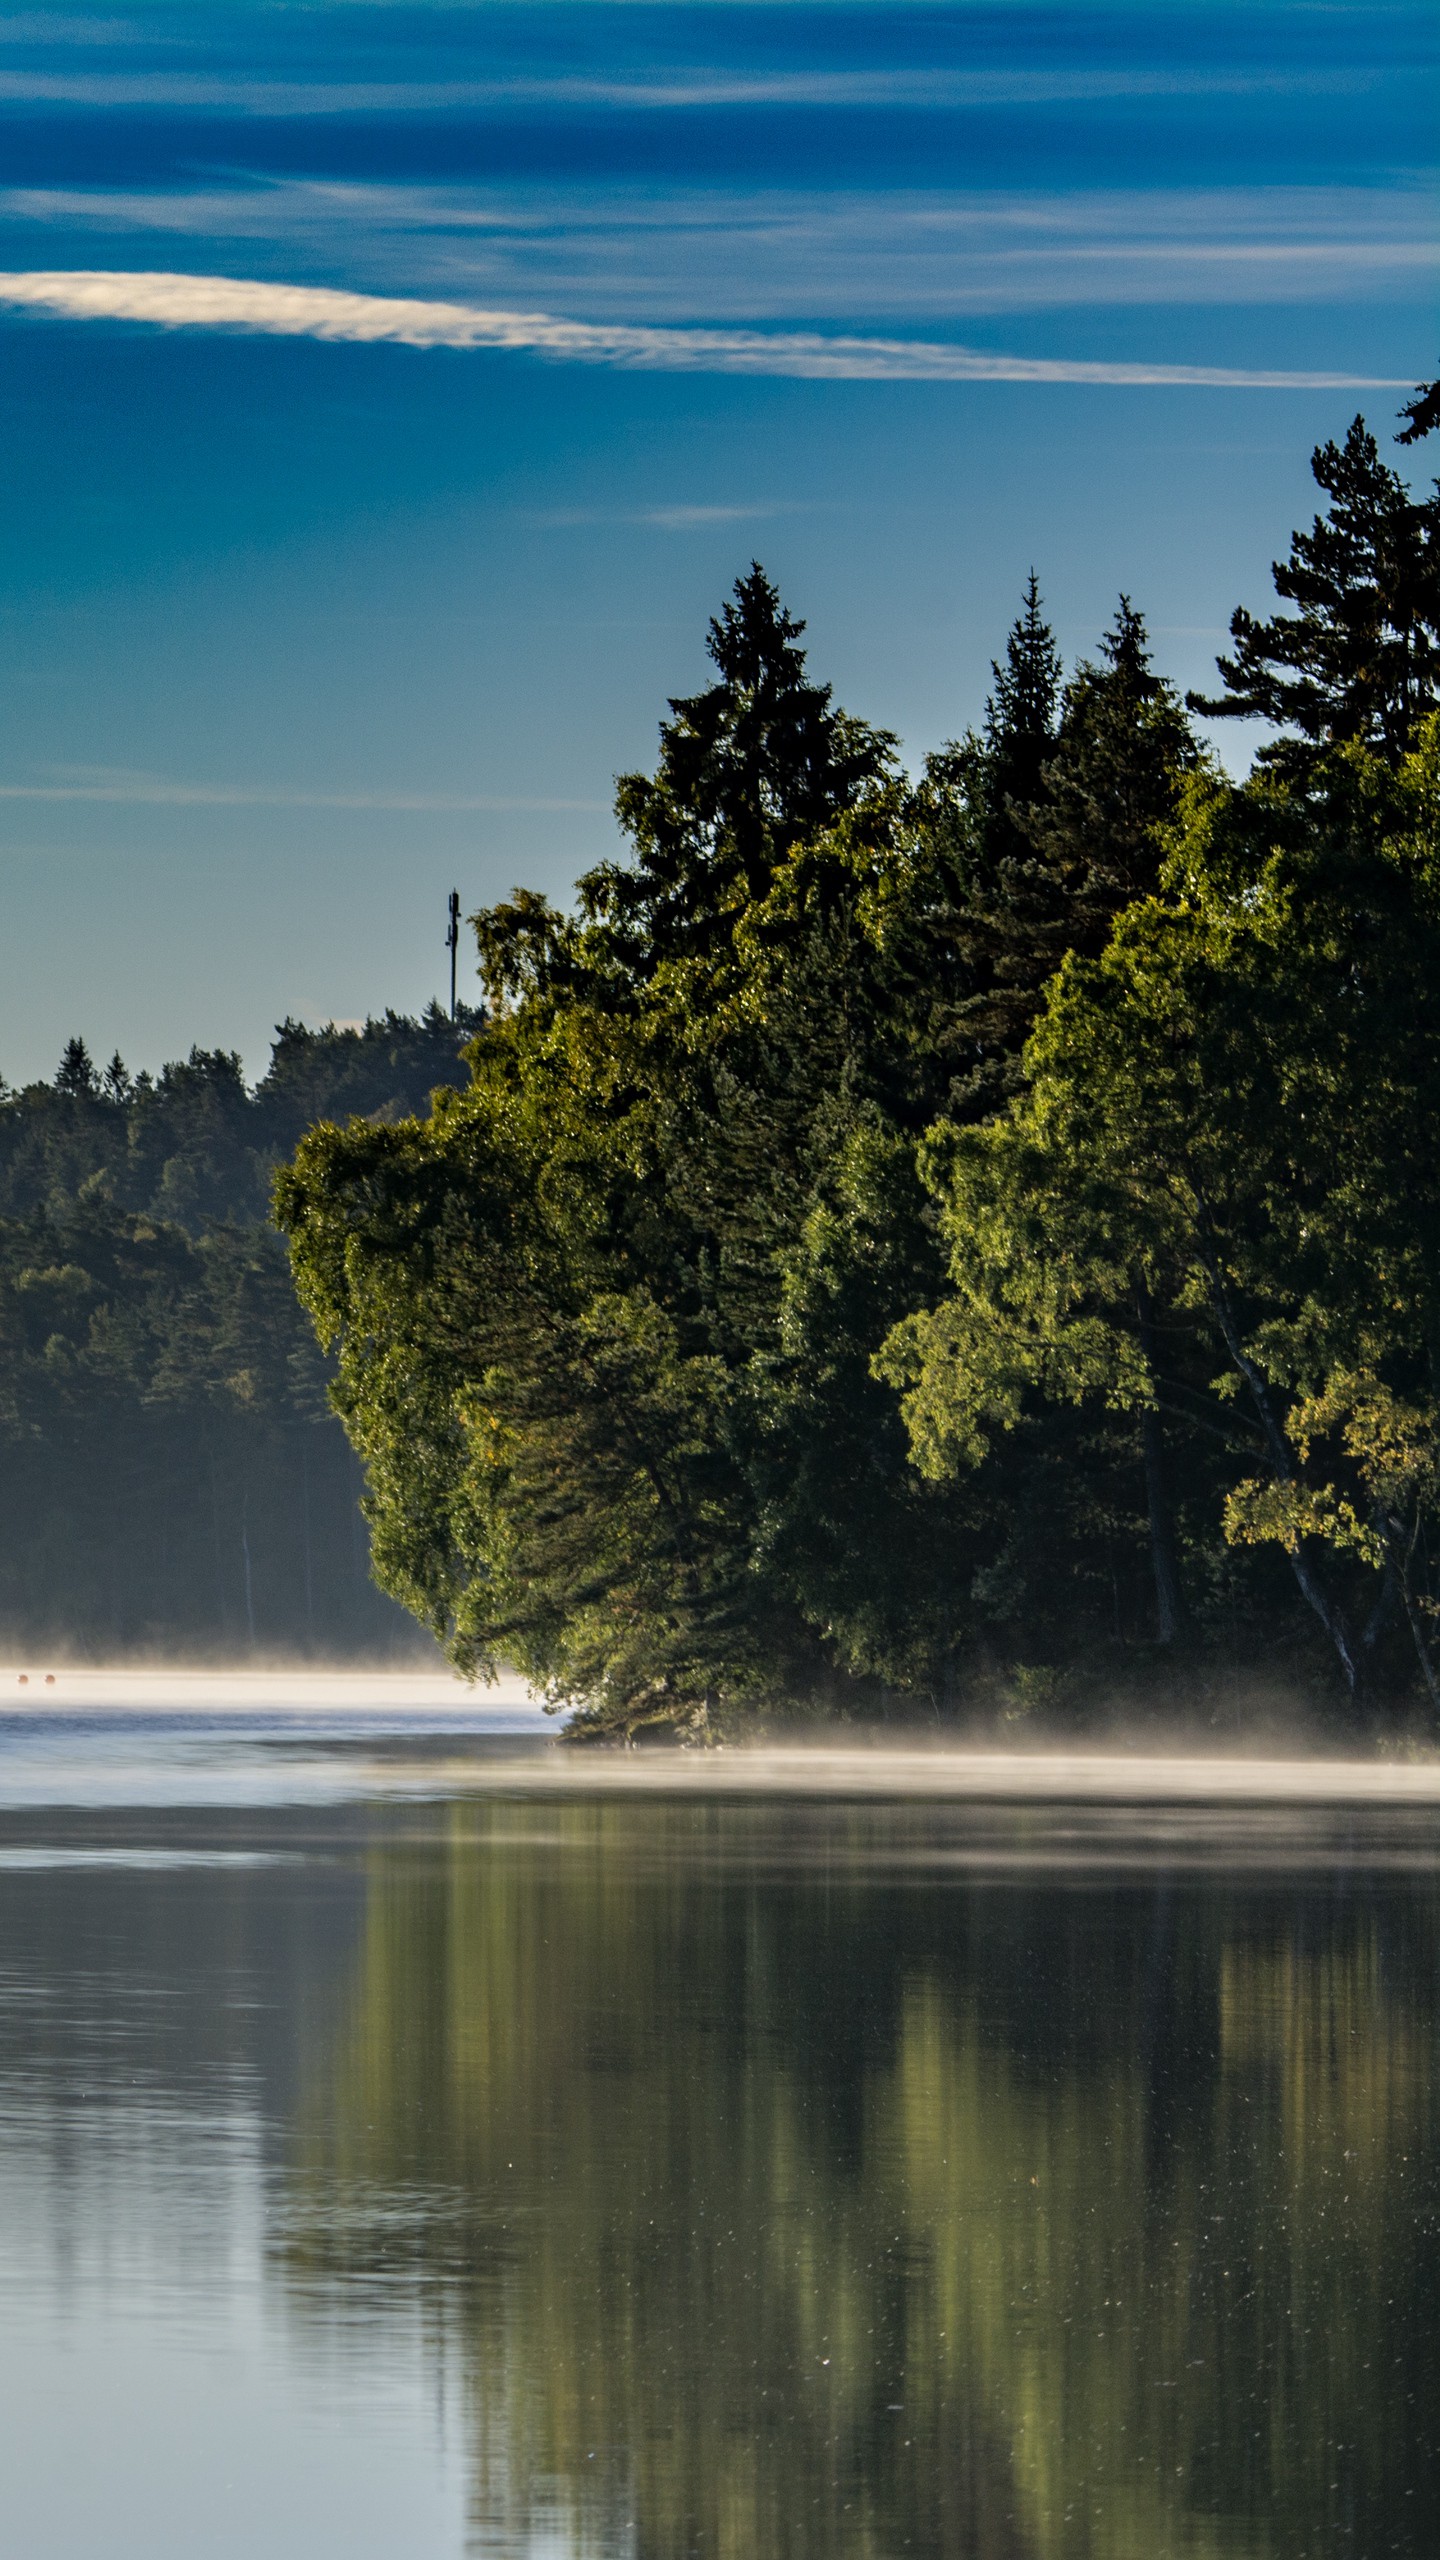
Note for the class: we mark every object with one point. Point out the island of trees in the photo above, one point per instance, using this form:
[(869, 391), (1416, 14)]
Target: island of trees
[(921, 1243), (928, 1245)]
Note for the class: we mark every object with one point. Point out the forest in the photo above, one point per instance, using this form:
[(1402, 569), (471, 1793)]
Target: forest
[(945, 1244), (172, 1479)]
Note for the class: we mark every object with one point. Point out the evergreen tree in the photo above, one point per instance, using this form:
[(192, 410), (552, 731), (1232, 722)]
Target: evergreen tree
[(1112, 785), (1217, 1200), (1421, 415), (1020, 715), (76, 1074), (638, 1269), (169, 1472), (1360, 660), (759, 761), (605, 1323), (1064, 818)]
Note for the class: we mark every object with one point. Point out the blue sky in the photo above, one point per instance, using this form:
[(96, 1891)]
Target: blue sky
[(558, 314)]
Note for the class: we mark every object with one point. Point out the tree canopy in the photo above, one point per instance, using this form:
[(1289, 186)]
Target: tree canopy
[(905, 1242), (1359, 662), (171, 1475)]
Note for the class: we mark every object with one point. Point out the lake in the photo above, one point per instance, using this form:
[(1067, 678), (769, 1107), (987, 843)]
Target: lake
[(405, 2150)]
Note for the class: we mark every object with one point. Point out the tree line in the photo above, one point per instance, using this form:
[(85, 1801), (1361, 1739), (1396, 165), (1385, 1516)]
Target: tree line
[(943, 1239), (171, 1475)]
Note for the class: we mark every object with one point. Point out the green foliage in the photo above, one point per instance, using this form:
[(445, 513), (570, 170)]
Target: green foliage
[(1054, 817), (170, 1472), (605, 1323), (194, 1144), (573, 1271), (1217, 1200), (909, 1240), (1360, 661)]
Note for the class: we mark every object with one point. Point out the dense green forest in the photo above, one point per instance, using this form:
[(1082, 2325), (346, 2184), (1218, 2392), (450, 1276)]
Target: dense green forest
[(966, 1240), (171, 1475)]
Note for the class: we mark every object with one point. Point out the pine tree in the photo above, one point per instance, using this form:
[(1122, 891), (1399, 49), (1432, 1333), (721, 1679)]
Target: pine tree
[(756, 763), (1422, 414), (1360, 660), (1072, 843), (1111, 784), (75, 1074), (1021, 713)]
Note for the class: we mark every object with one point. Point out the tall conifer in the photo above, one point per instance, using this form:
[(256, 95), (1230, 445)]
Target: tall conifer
[(1359, 662), (1422, 414), (1068, 813), (757, 762)]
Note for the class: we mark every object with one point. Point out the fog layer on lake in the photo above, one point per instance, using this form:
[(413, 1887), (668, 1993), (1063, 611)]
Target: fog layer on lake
[(479, 2163)]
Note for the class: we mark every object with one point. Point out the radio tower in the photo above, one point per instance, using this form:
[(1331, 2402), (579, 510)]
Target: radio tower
[(452, 943)]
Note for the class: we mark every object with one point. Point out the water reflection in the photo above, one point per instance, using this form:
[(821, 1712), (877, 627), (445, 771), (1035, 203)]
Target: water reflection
[(768, 2187)]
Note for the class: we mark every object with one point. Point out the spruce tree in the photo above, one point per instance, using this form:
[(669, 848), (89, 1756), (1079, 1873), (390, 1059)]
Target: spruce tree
[(1422, 414), (1110, 786), (1070, 841), (1360, 660), (1020, 715), (757, 762), (75, 1074)]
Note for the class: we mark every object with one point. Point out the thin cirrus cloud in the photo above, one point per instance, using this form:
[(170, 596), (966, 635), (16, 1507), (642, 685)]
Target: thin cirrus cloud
[(625, 251), (362, 319), (160, 791), (670, 519), (659, 91)]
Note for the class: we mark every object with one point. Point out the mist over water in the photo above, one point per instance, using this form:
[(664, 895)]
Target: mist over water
[(210, 1738), (416, 2134), (290, 1734)]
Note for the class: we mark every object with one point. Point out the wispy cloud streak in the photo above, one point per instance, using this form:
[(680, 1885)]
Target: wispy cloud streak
[(876, 87), (159, 791), (623, 251), (317, 311)]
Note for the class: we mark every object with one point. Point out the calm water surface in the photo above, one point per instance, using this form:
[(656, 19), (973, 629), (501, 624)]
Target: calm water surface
[(391, 2168)]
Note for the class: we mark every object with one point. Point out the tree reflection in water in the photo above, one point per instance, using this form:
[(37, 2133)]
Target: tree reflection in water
[(782, 2189)]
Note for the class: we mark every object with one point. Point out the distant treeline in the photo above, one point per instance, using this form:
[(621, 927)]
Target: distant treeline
[(950, 1239), (171, 1475)]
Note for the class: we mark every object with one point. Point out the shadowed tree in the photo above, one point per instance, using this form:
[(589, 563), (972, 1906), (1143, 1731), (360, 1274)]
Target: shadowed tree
[(1060, 806), (759, 761), (1421, 415), (1359, 661)]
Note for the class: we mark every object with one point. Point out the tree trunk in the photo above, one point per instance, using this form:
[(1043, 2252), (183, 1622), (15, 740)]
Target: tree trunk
[(1311, 1587), (245, 1560), (1169, 1608), (1162, 1531)]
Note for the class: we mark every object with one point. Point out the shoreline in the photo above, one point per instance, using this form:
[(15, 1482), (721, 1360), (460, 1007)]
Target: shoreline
[(499, 1739)]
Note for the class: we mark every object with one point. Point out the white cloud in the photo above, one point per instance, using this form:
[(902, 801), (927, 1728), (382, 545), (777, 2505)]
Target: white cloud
[(317, 311)]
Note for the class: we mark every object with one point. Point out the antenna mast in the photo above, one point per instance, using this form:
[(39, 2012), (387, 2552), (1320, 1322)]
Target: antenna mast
[(452, 943)]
